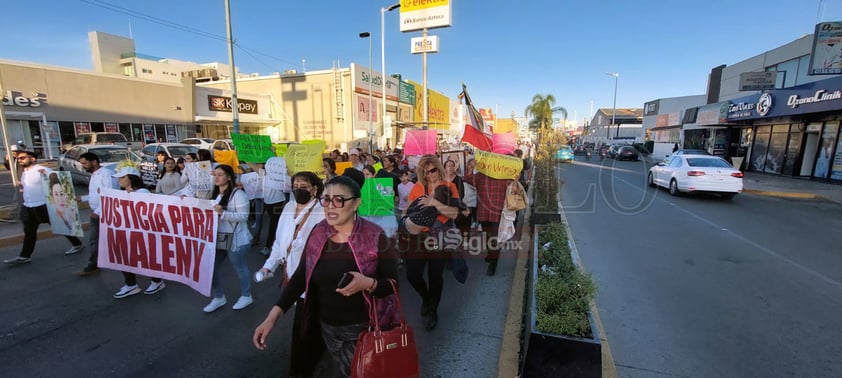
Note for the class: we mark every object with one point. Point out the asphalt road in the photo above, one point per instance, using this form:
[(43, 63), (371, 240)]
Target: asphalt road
[(701, 287), (56, 324)]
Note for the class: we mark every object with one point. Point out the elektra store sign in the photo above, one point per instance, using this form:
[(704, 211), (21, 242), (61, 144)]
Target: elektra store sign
[(820, 96)]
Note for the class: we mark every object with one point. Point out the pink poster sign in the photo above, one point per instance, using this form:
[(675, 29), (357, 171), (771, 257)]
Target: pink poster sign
[(503, 143), (420, 142)]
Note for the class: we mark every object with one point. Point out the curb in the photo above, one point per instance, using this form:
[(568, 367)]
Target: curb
[(784, 194), (508, 364), (17, 239)]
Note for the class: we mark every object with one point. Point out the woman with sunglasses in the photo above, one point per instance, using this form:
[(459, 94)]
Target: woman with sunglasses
[(295, 224), (430, 176), (347, 261)]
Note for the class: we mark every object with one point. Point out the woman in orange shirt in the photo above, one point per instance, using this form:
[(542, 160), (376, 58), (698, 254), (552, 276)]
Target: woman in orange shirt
[(424, 248)]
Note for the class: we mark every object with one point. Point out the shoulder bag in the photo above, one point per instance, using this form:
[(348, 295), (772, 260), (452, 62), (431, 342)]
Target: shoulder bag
[(390, 353), (225, 240)]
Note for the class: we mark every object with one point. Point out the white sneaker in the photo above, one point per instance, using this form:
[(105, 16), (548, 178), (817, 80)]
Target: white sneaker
[(215, 304), (155, 287), (242, 303), (74, 249), (127, 291)]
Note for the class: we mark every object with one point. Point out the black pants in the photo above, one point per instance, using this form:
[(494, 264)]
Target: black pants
[(93, 241), (417, 258), (274, 210), (306, 349), (491, 229), (32, 217)]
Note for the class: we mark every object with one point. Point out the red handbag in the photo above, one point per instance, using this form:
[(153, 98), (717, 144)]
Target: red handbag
[(389, 353)]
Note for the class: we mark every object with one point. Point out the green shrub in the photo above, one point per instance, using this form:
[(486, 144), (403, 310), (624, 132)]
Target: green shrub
[(563, 292)]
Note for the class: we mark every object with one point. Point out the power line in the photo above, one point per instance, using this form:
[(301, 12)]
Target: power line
[(188, 29)]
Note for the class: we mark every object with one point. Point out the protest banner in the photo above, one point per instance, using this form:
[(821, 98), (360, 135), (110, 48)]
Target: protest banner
[(61, 204), (158, 236), (199, 174), (148, 173), (378, 197), (420, 142), (502, 167), (304, 157), (341, 166), (503, 143), (228, 158), (377, 167), (253, 148)]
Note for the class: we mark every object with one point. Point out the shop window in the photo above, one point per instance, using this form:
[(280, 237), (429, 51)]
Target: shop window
[(828, 140), (761, 148)]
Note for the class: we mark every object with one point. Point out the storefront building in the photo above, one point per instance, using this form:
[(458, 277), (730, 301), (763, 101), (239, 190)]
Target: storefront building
[(794, 131), (47, 107)]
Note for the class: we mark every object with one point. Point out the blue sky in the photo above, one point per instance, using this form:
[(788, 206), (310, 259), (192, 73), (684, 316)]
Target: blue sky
[(504, 51)]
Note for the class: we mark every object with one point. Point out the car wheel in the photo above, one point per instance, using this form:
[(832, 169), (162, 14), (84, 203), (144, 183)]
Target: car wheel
[(674, 188), (728, 196), (650, 179)]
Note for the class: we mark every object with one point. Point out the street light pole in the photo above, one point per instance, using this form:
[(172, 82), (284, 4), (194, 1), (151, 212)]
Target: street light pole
[(383, 54), (370, 79), (235, 107), (614, 114)]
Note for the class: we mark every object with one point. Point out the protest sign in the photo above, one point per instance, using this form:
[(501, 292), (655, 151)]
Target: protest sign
[(148, 172), (158, 236), (253, 148), (378, 197), (304, 157), (503, 143), (199, 174), (277, 177), (252, 184), (280, 149), (341, 166), (502, 167), (61, 204), (420, 142), (228, 158)]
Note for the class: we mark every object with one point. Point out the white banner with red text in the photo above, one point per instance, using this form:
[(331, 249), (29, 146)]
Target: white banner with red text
[(158, 236)]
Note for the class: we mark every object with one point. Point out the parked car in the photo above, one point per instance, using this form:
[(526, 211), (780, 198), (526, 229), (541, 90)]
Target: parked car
[(627, 153), (222, 145), (104, 138), (109, 156), (201, 143), (691, 152), (565, 154), (612, 150), (695, 174)]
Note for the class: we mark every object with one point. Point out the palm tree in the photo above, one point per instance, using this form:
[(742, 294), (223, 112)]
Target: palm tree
[(542, 110)]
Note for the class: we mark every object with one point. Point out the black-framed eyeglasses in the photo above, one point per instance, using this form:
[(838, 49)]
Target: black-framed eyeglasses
[(337, 201), (431, 171)]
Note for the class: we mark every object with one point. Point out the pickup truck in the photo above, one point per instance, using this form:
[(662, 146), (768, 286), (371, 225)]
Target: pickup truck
[(105, 138)]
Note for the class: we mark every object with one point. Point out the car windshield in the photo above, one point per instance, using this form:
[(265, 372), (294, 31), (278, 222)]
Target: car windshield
[(111, 155), (181, 150), (108, 138), (707, 162)]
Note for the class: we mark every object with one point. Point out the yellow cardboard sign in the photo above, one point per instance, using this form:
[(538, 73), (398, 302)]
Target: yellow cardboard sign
[(304, 157), (501, 167), (342, 165), (228, 158)]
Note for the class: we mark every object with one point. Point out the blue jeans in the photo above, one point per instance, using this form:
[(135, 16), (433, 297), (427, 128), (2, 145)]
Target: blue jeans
[(238, 262)]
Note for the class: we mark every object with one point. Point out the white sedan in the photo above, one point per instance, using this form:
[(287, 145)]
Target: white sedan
[(110, 155), (697, 173)]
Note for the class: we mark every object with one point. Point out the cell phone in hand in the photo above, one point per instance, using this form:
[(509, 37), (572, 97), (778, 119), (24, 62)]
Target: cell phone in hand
[(345, 280)]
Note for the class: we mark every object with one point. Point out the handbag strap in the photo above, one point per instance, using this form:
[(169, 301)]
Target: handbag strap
[(372, 311)]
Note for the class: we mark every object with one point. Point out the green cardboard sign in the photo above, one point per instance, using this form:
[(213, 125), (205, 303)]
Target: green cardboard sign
[(378, 197), (253, 148)]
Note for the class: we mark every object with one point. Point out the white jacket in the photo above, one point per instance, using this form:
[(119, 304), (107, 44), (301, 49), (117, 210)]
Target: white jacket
[(235, 218), (283, 236)]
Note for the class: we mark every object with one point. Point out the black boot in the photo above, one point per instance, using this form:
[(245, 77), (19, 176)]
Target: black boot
[(492, 267), (431, 317)]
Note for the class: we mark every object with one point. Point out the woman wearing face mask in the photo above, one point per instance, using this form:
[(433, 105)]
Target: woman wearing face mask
[(294, 227)]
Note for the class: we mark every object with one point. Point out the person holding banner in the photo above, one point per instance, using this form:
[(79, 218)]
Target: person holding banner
[(169, 179), (129, 179), (343, 247), (233, 209), (33, 211), (430, 176), (100, 178), (294, 228)]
